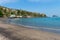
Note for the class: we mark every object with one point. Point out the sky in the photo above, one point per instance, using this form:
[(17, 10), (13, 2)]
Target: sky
[(49, 7)]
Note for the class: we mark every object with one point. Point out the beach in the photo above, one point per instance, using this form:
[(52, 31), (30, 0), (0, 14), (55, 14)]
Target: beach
[(14, 32)]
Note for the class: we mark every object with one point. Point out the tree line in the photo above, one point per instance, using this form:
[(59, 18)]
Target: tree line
[(7, 12)]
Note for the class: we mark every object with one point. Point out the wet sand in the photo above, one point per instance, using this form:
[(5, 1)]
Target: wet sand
[(13, 32)]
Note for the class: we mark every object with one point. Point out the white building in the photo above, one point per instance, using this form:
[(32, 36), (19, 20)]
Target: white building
[(12, 16), (28, 16), (19, 16)]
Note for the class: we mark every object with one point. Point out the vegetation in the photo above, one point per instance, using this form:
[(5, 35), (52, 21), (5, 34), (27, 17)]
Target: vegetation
[(1, 15), (7, 12)]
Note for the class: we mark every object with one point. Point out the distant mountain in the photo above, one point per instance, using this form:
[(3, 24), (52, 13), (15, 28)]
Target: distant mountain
[(7, 12), (54, 16)]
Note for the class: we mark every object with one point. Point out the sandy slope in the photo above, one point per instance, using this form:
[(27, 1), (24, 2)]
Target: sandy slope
[(13, 32)]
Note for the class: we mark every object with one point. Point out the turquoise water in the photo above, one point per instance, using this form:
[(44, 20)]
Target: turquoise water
[(49, 24)]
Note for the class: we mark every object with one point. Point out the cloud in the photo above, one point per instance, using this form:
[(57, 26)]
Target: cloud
[(7, 1)]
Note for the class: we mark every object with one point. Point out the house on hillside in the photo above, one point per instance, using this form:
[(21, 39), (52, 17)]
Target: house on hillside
[(4, 8)]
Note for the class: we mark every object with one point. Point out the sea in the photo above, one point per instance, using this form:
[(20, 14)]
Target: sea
[(50, 24)]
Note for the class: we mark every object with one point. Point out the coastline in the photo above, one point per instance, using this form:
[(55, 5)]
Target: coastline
[(14, 32)]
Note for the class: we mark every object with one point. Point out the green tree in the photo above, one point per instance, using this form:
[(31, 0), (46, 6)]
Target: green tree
[(1, 14)]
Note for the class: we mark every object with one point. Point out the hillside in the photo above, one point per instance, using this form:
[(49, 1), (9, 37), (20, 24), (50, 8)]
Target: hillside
[(7, 12)]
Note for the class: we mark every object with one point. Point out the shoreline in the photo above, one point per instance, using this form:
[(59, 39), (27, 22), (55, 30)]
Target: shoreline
[(44, 28), (14, 32), (50, 30)]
